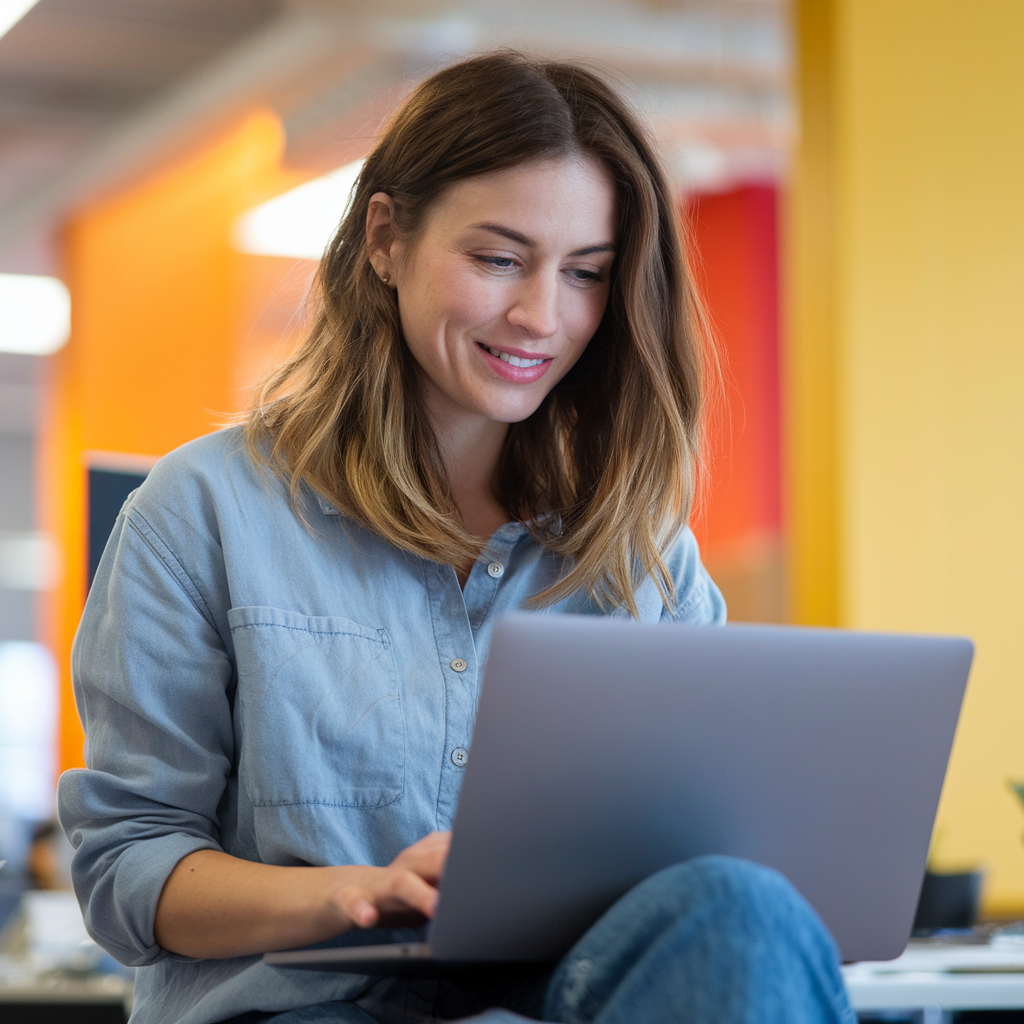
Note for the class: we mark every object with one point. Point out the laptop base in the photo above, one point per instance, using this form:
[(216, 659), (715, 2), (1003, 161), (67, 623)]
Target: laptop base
[(395, 960)]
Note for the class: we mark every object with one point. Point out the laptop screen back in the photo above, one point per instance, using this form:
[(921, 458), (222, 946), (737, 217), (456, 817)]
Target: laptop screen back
[(606, 750)]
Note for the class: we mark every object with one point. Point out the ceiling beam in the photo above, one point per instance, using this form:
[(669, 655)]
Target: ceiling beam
[(260, 69)]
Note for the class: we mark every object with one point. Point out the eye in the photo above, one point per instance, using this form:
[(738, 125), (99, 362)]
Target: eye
[(586, 276), (499, 262)]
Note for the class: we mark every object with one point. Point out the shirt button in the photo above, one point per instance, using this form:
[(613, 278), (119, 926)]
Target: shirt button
[(460, 755), (495, 570), (458, 665)]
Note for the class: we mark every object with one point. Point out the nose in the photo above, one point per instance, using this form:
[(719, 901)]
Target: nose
[(535, 307)]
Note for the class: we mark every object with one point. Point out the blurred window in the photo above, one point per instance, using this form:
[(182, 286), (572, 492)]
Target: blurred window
[(28, 721)]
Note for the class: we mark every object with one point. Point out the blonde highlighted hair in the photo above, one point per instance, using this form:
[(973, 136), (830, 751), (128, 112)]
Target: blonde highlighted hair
[(603, 473)]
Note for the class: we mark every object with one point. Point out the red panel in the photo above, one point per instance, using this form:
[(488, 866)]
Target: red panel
[(734, 253)]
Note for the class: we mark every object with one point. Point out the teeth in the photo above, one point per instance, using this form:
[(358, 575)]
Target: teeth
[(512, 360)]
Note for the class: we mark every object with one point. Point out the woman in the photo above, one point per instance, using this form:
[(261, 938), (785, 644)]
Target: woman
[(498, 405)]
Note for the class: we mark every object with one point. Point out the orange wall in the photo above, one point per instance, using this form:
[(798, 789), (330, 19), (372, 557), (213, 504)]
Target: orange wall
[(152, 358)]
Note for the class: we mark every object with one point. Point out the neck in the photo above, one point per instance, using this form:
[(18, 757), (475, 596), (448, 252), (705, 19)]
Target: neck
[(470, 447)]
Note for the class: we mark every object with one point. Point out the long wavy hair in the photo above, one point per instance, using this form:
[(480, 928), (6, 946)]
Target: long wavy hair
[(603, 473)]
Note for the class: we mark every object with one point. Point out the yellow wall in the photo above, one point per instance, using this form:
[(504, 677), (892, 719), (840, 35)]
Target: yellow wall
[(155, 346), (906, 371), (809, 386)]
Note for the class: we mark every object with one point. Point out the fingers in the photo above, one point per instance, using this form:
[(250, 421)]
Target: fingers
[(407, 888), (431, 840), (430, 844), (426, 857), (363, 913), (384, 893), (357, 904), (415, 893)]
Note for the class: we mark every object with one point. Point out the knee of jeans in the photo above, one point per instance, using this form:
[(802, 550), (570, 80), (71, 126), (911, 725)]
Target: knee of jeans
[(728, 887)]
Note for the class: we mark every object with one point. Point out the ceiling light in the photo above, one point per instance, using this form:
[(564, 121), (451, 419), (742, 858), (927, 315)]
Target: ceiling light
[(12, 11), (301, 222), (35, 314)]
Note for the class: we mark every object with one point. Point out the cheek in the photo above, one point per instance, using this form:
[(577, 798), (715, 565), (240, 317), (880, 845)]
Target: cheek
[(585, 317), (457, 301), (473, 300)]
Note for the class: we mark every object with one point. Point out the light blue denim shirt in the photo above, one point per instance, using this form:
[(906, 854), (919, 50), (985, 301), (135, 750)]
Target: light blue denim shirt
[(286, 694)]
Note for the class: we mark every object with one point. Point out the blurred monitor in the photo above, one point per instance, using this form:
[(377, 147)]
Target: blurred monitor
[(112, 476)]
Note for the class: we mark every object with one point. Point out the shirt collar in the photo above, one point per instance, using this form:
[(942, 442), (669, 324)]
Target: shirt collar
[(325, 506), (511, 530)]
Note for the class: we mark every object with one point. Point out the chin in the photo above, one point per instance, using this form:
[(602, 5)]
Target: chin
[(504, 408), (505, 414)]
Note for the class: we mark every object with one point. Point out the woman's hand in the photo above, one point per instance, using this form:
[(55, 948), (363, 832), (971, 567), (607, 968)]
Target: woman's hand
[(402, 893), (214, 905)]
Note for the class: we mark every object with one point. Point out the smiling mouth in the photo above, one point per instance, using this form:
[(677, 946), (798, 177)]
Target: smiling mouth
[(512, 360)]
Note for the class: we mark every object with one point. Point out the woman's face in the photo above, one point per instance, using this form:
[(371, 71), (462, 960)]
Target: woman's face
[(506, 284)]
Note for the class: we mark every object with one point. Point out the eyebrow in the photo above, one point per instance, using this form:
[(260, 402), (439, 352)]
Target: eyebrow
[(515, 236)]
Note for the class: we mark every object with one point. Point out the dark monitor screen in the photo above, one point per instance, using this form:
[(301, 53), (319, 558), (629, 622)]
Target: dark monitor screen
[(108, 489)]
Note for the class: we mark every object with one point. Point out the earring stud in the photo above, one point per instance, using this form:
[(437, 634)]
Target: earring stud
[(386, 277)]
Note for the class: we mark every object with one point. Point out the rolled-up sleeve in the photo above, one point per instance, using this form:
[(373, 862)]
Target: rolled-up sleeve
[(153, 679)]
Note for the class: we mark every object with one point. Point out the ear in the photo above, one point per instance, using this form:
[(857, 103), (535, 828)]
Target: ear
[(381, 241)]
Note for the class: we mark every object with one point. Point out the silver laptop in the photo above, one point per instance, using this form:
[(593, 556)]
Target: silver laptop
[(605, 750)]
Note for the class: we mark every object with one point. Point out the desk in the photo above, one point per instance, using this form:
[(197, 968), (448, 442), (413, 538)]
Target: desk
[(940, 978)]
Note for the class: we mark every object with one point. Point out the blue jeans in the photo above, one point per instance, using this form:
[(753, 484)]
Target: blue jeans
[(715, 940)]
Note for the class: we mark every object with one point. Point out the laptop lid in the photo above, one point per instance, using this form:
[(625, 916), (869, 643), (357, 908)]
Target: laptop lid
[(606, 750)]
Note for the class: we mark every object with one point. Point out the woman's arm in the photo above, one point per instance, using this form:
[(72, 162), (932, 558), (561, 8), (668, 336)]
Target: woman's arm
[(215, 905), (154, 682)]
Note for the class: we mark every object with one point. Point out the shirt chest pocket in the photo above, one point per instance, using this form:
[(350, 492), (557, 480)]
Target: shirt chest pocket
[(318, 710)]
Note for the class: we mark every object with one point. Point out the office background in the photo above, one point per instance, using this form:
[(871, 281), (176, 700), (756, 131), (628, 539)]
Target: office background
[(850, 173)]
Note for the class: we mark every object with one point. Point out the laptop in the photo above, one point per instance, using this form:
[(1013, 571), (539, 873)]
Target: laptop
[(605, 750)]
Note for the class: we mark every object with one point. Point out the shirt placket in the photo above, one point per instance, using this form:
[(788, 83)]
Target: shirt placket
[(457, 614)]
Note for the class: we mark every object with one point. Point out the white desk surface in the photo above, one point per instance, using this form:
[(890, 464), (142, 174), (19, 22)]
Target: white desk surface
[(947, 976)]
